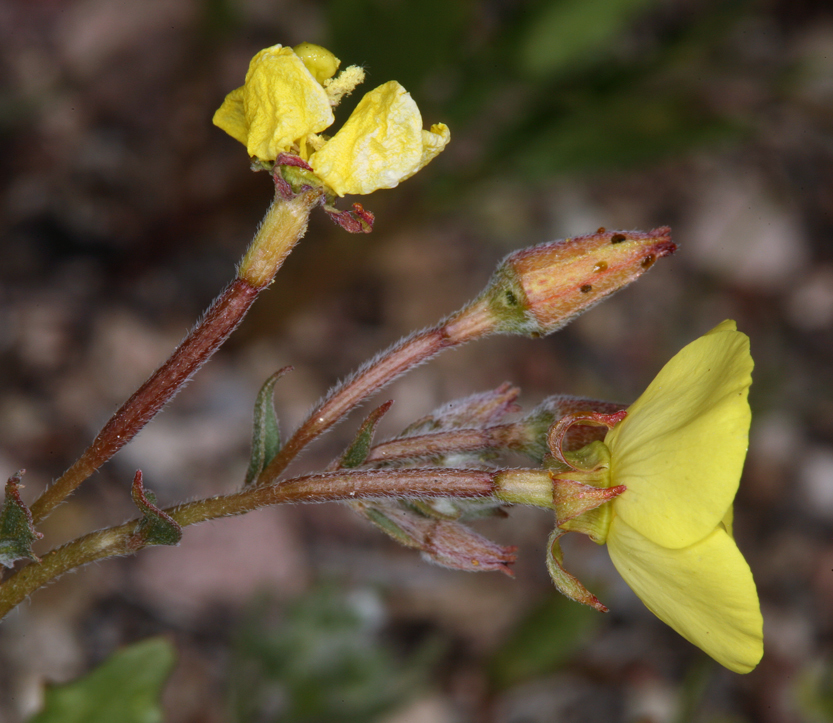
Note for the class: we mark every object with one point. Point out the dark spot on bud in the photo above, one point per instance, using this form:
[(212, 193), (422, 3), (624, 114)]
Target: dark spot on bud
[(601, 229), (617, 238), (648, 261), (600, 266), (586, 289), (511, 299)]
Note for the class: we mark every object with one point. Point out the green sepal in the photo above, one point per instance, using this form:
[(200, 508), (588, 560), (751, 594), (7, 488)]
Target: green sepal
[(564, 582), (355, 455), (155, 527), (17, 529), (508, 303), (444, 510), (125, 688), (266, 435)]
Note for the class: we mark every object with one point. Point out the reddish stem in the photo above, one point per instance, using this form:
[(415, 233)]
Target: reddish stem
[(471, 322), (219, 322), (504, 436)]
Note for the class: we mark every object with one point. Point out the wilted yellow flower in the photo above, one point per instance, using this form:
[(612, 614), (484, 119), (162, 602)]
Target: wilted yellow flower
[(678, 455), (381, 144), (287, 100), (279, 106)]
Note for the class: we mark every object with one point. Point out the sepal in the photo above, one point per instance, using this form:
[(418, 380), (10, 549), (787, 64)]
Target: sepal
[(155, 527), (564, 582), (17, 529), (572, 499), (581, 460), (555, 408), (356, 220), (266, 435)]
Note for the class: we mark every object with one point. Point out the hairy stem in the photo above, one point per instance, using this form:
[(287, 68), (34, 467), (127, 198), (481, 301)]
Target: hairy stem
[(284, 224), (327, 487), (471, 322), (454, 441)]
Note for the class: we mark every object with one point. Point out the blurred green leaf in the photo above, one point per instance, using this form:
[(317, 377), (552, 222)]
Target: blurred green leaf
[(324, 662), (567, 33), (622, 130), (543, 641), (407, 40), (814, 693), (124, 689)]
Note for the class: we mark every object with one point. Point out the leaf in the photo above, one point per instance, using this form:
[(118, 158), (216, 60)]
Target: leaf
[(155, 527), (17, 530), (543, 641), (124, 689), (622, 128), (355, 455), (266, 435), (326, 660), (566, 33)]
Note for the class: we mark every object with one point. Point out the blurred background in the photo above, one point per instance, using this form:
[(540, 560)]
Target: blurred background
[(123, 212)]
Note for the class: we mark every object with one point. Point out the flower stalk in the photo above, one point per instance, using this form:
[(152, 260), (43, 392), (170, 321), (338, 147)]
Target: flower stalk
[(282, 227), (534, 292), (471, 322), (419, 483)]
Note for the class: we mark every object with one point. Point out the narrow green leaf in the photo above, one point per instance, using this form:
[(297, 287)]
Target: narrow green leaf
[(124, 689), (567, 33), (355, 455), (266, 435), (544, 640), (155, 527), (376, 514), (17, 531)]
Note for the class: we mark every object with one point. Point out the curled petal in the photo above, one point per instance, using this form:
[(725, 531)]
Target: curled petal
[(381, 144), (433, 143), (279, 104), (704, 591), (681, 449)]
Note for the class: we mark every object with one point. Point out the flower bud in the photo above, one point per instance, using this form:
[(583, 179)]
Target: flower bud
[(445, 542), (536, 291)]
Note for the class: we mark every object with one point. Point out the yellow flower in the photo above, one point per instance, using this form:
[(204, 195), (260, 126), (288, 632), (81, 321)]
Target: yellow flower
[(678, 455), (287, 100)]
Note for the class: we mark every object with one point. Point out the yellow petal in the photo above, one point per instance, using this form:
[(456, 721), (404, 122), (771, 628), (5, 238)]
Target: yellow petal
[(433, 143), (231, 117), (282, 103), (381, 144), (680, 450), (705, 592)]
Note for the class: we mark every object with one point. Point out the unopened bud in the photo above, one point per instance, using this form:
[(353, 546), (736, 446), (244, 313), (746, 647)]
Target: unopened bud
[(445, 542), (538, 290)]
